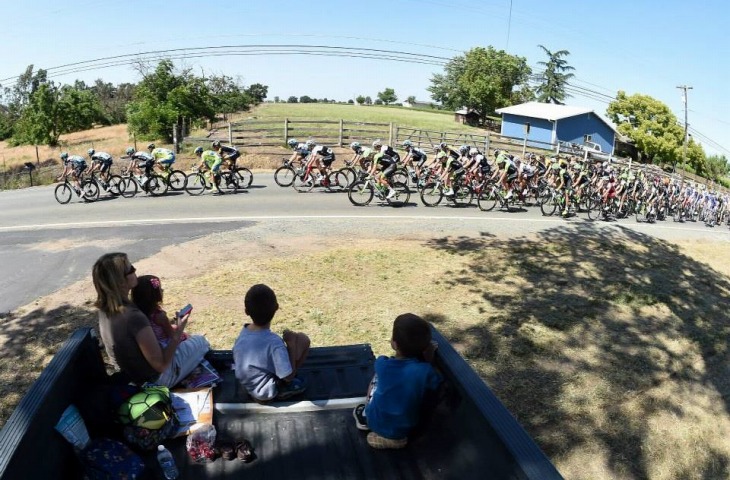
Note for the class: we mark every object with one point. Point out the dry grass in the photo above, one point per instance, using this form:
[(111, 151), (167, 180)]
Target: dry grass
[(114, 140), (612, 355)]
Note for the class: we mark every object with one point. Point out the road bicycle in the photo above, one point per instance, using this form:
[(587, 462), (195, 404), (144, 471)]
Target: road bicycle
[(153, 184), (433, 192), (175, 179), (199, 181), (306, 179), (64, 192), (114, 184), (361, 192), (491, 194), (284, 175)]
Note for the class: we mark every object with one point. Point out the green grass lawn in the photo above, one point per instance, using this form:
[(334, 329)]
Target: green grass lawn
[(424, 119)]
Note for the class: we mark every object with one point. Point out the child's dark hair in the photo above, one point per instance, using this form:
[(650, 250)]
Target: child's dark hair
[(260, 303), (147, 295), (412, 335)]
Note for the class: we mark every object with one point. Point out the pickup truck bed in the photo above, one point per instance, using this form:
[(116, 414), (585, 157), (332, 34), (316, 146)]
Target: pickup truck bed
[(470, 435)]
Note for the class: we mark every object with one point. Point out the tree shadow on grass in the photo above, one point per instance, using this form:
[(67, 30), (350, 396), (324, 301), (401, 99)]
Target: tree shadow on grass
[(558, 331), (29, 340)]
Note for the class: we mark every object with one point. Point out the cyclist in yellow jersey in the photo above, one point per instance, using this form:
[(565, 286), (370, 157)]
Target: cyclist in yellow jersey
[(164, 158), (213, 161)]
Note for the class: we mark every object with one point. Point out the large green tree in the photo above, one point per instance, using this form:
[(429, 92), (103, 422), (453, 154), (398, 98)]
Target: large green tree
[(554, 79), (388, 96), (164, 97), (654, 130), (483, 79), (53, 110)]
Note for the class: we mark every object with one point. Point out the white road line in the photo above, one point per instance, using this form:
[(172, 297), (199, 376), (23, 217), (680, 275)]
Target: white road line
[(255, 218)]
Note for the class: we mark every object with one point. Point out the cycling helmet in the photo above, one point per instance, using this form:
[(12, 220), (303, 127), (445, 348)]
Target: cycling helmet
[(216, 143), (151, 146), (292, 142), (407, 144), (355, 145), (384, 149), (311, 143), (377, 143), (198, 151), (443, 145), (130, 151), (473, 151), (64, 155), (464, 149), (91, 151)]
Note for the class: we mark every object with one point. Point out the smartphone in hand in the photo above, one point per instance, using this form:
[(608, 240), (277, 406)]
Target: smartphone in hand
[(184, 311)]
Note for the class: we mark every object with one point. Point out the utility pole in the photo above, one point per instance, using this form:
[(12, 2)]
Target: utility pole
[(684, 99)]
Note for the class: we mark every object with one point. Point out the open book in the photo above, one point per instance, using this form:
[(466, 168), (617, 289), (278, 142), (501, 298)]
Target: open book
[(204, 375)]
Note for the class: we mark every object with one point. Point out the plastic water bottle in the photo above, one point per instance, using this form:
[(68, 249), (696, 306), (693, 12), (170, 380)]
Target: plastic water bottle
[(167, 463)]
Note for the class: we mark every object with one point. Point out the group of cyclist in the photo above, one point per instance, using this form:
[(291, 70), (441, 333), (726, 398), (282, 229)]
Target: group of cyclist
[(570, 176), (144, 163)]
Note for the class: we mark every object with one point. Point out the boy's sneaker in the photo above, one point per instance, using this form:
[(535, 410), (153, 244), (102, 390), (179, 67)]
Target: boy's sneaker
[(361, 421), (295, 387), (376, 441)]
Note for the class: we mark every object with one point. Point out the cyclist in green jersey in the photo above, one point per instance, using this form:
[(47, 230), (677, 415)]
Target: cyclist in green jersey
[(213, 162)]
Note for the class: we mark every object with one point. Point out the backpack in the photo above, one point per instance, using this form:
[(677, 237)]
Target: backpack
[(148, 417)]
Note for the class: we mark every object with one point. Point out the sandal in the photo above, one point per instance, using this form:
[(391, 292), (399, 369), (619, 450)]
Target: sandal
[(245, 451)]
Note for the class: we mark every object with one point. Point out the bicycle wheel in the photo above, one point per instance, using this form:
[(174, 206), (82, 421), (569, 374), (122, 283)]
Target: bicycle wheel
[(156, 185), (284, 176), (360, 193), (594, 208), (350, 175), (641, 213), (431, 194), (337, 181), (402, 195), (63, 193), (487, 199), (303, 183), (177, 180), (548, 208), (90, 190), (544, 195), (244, 177), (399, 176), (195, 184), (463, 195), (130, 187), (229, 182), (116, 185)]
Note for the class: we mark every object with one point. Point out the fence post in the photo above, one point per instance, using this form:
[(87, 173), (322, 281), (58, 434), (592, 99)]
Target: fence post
[(340, 138), (486, 144), (175, 139), (286, 130), (396, 133), (230, 134), (390, 134)]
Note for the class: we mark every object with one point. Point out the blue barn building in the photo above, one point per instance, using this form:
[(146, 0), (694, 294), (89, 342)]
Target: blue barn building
[(550, 124)]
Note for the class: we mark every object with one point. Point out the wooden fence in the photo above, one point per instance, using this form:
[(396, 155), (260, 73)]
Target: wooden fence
[(274, 132)]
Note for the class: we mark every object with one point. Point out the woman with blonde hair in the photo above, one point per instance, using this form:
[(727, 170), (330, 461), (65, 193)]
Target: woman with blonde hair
[(127, 334)]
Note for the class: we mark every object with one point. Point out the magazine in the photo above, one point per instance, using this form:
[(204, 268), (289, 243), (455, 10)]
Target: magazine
[(204, 375)]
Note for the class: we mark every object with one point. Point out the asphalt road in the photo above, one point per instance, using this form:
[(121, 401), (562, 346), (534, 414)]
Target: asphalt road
[(45, 246)]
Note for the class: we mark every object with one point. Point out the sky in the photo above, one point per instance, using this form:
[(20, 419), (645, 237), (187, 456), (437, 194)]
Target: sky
[(639, 46)]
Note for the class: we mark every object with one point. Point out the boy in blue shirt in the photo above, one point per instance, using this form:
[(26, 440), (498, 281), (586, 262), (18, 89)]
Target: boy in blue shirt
[(399, 385), (266, 364)]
